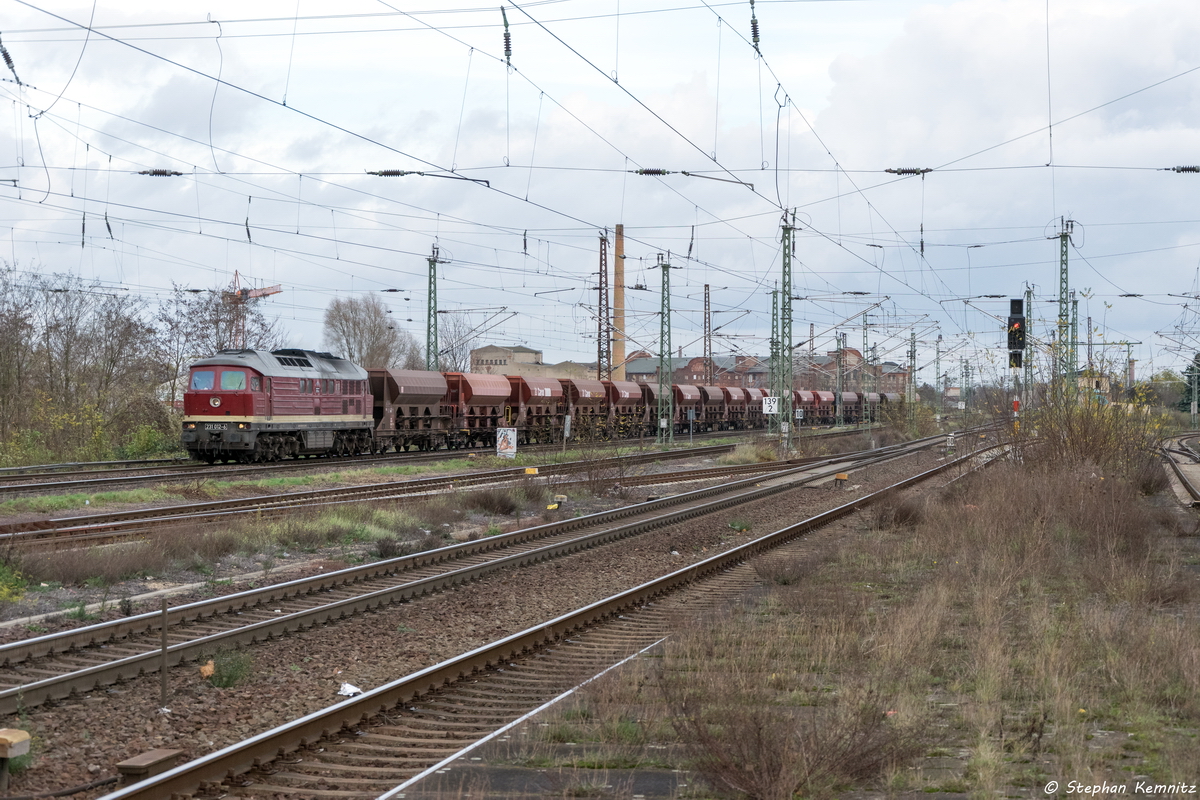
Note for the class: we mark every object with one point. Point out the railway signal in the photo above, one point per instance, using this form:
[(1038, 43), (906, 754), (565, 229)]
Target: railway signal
[(1016, 332), (1016, 324)]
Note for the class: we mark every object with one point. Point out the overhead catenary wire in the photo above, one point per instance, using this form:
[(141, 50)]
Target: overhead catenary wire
[(558, 237)]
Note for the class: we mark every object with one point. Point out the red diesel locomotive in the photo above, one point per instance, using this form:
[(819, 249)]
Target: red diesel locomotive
[(251, 405)]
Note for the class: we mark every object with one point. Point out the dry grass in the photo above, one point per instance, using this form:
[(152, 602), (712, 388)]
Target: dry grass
[(757, 452), (399, 528), (494, 501), (1040, 622), (755, 722)]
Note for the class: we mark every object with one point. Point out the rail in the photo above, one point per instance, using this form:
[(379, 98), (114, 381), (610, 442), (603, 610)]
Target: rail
[(57, 687), (282, 740)]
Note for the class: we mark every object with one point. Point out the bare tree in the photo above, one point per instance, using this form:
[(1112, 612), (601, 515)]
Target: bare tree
[(174, 343), (198, 324), (413, 353), (78, 367), (360, 329), (17, 333), (457, 337)]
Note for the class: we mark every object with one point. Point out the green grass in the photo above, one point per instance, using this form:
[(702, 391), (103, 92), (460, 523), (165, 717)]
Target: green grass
[(12, 584), (231, 667), (49, 504), (80, 612)]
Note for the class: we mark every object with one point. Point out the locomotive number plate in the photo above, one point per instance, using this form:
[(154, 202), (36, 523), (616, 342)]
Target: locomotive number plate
[(216, 426)]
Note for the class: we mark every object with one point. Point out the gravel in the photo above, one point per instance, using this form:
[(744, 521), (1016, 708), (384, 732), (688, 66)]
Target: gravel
[(81, 739)]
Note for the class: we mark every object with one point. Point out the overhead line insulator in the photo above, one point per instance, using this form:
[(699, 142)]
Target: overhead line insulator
[(754, 28), (393, 173), (8, 61), (909, 170), (1185, 169), (160, 173), (507, 39), (651, 171)]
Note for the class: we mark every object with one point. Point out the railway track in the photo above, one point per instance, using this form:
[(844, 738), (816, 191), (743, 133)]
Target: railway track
[(107, 528), (51, 482), (385, 741), (97, 529), (18, 481), (1182, 456), (53, 666)]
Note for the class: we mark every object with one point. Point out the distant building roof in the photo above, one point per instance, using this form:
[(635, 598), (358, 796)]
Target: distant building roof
[(646, 365)]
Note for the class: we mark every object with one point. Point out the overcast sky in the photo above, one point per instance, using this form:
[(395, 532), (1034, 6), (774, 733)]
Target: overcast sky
[(1026, 111)]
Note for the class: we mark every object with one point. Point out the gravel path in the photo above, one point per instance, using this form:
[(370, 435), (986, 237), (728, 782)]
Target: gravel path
[(82, 739)]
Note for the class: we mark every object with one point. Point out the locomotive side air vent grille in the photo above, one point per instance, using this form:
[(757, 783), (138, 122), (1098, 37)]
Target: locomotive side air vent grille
[(288, 361)]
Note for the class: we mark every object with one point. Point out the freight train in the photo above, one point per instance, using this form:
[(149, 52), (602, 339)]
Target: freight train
[(255, 405)]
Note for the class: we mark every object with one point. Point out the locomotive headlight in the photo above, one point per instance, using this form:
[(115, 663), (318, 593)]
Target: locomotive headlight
[(241, 426), (191, 426)]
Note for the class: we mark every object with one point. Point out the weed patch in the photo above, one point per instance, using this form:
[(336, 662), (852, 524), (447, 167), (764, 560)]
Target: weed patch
[(229, 668)]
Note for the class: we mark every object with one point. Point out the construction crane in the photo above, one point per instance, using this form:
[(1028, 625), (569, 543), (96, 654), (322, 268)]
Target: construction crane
[(236, 298)]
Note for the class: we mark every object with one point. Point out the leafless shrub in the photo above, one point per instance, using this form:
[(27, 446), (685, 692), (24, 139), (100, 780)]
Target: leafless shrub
[(784, 570), (1175, 523), (389, 547), (207, 544), (437, 512), (897, 510), (602, 472), (493, 501), (1090, 433), (770, 738), (887, 437), (1149, 476), (531, 492), (110, 564)]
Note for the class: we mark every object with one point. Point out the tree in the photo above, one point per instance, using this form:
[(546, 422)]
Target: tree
[(1164, 388), (360, 329), (78, 367), (194, 324), (17, 334), (457, 337), (1191, 377)]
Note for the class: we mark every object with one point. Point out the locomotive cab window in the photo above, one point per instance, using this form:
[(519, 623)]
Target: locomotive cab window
[(255, 384), (233, 381), (202, 380)]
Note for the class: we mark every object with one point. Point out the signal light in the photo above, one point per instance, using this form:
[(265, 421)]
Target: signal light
[(1016, 333), (1014, 359)]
